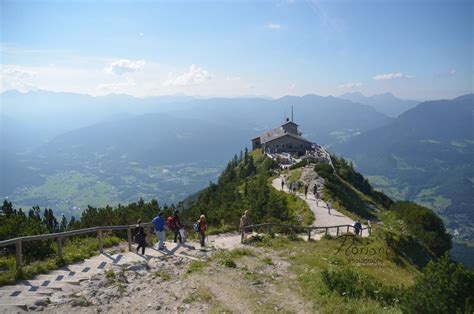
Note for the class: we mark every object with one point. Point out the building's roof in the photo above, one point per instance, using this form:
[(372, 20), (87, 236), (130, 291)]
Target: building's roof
[(298, 137), (277, 133), (289, 122)]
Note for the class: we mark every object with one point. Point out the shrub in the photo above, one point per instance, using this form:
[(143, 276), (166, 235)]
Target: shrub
[(327, 237), (444, 287), (350, 284), (425, 225)]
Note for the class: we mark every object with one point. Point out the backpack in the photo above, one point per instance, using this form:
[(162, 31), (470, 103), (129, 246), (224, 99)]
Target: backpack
[(196, 226), (170, 222)]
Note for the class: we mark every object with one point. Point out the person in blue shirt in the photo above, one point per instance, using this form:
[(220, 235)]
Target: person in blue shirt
[(159, 225)]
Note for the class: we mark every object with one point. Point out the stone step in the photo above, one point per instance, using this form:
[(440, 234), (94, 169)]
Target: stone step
[(56, 285), (63, 278), (38, 289), (86, 269), (15, 293)]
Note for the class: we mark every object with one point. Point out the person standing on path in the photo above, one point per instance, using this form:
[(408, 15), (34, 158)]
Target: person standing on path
[(244, 222), (176, 226), (202, 229), (357, 227), (282, 184), (306, 187), (159, 226), (329, 207), (140, 237)]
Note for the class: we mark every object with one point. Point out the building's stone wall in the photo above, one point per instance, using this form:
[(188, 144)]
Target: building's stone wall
[(287, 144)]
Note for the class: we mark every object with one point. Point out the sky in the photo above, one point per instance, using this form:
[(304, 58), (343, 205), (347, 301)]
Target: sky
[(415, 49)]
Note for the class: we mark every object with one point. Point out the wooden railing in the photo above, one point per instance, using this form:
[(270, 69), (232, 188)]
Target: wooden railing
[(268, 227), (61, 235)]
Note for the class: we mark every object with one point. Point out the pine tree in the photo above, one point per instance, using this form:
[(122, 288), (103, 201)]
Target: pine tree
[(50, 221), (7, 209), (63, 226)]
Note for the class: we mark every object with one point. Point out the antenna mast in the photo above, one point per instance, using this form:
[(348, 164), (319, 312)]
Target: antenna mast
[(291, 113)]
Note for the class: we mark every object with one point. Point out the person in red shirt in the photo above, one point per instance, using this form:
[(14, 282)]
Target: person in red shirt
[(202, 229)]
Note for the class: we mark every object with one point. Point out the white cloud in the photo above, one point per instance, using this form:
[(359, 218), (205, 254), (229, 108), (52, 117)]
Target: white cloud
[(15, 77), (391, 76), (291, 87), (350, 85), (250, 86), (452, 72), (273, 26), (122, 66), (195, 75)]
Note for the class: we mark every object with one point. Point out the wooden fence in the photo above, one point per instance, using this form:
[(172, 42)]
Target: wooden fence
[(61, 235), (99, 230), (268, 227)]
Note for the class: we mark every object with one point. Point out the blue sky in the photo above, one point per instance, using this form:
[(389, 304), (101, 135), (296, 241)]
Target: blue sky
[(415, 49)]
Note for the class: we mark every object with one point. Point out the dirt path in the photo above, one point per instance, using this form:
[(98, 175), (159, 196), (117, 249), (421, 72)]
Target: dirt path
[(324, 217)]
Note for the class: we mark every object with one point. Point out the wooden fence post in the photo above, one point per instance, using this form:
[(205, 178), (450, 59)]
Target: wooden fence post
[(101, 244), (19, 256), (129, 236), (347, 229), (326, 231), (309, 234), (60, 247), (242, 236), (337, 232)]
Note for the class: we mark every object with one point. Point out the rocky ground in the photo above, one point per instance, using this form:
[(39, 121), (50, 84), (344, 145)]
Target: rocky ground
[(242, 280)]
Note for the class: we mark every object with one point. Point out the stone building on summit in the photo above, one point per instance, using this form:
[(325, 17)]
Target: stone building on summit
[(284, 139)]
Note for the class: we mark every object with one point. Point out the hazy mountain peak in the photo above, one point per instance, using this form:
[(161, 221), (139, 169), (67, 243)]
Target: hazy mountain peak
[(386, 103)]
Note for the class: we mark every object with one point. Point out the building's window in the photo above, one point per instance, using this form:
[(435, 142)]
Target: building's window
[(290, 146)]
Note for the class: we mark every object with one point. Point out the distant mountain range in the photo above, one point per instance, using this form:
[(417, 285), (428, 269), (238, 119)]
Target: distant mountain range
[(426, 155), (385, 103), (69, 150)]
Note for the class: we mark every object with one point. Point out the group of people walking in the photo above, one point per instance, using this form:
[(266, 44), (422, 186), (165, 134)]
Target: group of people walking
[(172, 224), (292, 187)]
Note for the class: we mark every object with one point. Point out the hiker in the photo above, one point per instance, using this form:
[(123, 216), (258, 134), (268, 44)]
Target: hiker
[(140, 237), (282, 184), (329, 207), (182, 232), (159, 226), (306, 187), (176, 226), (315, 190), (244, 221), (357, 227), (202, 229)]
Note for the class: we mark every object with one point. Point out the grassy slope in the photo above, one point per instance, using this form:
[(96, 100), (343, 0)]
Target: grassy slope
[(295, 204), (309, 259)]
